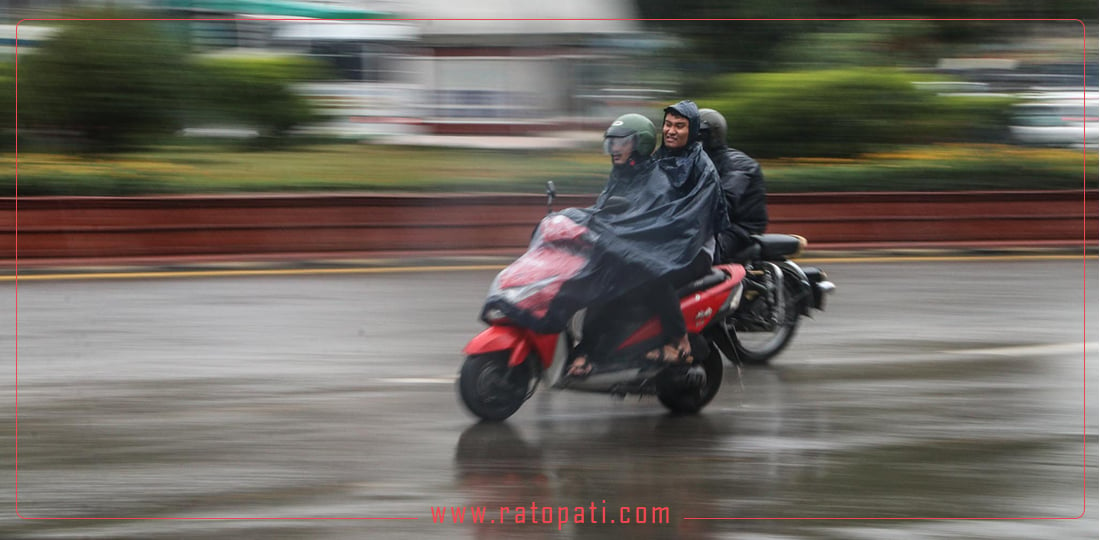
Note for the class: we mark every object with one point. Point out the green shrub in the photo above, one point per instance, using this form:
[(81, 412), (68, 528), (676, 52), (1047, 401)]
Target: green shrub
[(842, 112), (971, 118), (860, 43), (112, 84), (256, 91), (7, 106)]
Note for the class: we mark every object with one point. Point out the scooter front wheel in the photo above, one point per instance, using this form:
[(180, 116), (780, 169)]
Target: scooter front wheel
[(490, 389)]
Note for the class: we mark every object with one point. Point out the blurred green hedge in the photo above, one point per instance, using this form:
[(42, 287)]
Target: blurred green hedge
[(847, 112), (255, 91), (111, 85), (7, 106)]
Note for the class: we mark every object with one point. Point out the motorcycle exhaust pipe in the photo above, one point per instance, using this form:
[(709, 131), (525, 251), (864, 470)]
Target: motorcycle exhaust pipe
[(820, 285)]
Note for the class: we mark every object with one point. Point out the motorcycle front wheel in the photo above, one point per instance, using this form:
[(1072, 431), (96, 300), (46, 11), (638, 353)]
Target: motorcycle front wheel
[(490, 389), (758, 340)]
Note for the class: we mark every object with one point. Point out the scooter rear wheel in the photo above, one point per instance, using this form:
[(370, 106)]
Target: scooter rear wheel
[(680, 399), (490, 389)]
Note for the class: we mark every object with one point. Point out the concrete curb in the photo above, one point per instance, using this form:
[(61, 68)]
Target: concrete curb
[(45, 231)]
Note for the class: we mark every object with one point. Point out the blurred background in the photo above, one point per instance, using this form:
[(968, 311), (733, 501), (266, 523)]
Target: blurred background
[(277, 95), (331, 396)]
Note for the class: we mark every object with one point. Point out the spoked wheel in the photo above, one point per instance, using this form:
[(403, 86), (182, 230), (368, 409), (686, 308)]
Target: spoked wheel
[(490, 389), (681, 398), (757, 336)]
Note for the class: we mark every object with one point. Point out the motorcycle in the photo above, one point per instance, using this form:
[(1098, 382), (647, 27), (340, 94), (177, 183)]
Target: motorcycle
[(778, 293), (506, 362)]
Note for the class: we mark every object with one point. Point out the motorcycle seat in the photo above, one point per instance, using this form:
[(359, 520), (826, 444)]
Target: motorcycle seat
[(712, 278), (775, 246), (749, 254)]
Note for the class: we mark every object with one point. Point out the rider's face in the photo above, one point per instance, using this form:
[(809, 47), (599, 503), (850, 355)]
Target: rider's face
[(675, 131), (620, 149)]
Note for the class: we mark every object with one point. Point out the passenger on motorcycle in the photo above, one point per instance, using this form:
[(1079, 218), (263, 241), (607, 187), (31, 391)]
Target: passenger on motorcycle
[(687, 165), (683, 159), (742, 184)]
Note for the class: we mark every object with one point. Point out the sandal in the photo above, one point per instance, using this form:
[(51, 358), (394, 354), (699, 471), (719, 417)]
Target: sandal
[(672, 354), (579, 368), (684, 348)]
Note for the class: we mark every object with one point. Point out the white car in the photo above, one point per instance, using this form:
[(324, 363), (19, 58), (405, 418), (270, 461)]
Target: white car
[(1066, 123)]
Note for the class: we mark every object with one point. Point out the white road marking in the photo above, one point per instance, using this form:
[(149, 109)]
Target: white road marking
[(1029, 350), (450, 379)]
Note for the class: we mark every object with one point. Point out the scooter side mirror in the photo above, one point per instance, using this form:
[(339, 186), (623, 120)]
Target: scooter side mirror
[(550, 194)]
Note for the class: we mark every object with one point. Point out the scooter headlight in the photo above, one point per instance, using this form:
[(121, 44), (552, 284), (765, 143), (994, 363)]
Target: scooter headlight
[(519, 293), (494, 315)]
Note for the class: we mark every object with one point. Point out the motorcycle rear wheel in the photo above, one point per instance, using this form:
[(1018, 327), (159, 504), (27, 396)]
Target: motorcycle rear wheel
[(757, 347), (490, 389), (685, 400)]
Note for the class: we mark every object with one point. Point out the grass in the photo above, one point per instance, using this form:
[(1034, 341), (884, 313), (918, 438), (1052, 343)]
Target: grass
[(949, 167), (215, 169), (210, 168)]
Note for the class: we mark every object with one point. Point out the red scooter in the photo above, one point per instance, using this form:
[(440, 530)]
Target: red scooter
[(505, 363)]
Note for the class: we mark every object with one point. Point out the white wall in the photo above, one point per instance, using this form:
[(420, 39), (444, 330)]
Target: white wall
[(489, 88)]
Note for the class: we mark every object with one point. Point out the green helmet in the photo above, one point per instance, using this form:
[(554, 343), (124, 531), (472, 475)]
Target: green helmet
[(637, 126)]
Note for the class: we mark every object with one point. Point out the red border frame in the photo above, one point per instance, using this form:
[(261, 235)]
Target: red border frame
[(1084, 268)]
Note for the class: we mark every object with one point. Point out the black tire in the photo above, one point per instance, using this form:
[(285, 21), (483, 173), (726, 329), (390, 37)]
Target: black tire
[(685, 400), (490, 389), (757, 348), (760, 355)]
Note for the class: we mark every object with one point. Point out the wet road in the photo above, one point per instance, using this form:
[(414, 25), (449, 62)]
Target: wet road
[(309, 403)]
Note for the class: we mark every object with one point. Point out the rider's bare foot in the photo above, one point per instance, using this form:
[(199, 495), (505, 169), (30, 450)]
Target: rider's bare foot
[(673, 354), (668, 353), (684, 348), (579, 368)]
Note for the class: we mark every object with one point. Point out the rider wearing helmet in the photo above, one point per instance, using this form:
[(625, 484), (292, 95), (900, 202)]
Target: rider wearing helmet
[(630, 141), (630, 137), (742, 185)]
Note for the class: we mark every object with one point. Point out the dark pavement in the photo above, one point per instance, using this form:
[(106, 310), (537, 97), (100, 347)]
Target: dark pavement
[(306, 403)]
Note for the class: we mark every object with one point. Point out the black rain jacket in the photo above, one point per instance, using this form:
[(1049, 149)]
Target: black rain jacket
[(745, 195), (643, 226)]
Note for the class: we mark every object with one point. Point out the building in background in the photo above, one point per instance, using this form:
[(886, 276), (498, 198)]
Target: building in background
[(506, 68), (527, 73)]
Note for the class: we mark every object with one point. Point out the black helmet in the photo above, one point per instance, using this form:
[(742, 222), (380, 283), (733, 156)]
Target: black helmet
[(634, 125), (712, 128)]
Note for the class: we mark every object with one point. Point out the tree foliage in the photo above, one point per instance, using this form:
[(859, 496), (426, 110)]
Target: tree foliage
[(7, 106), (115, 85), (255, 91), (725, 36), (111, 83)]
